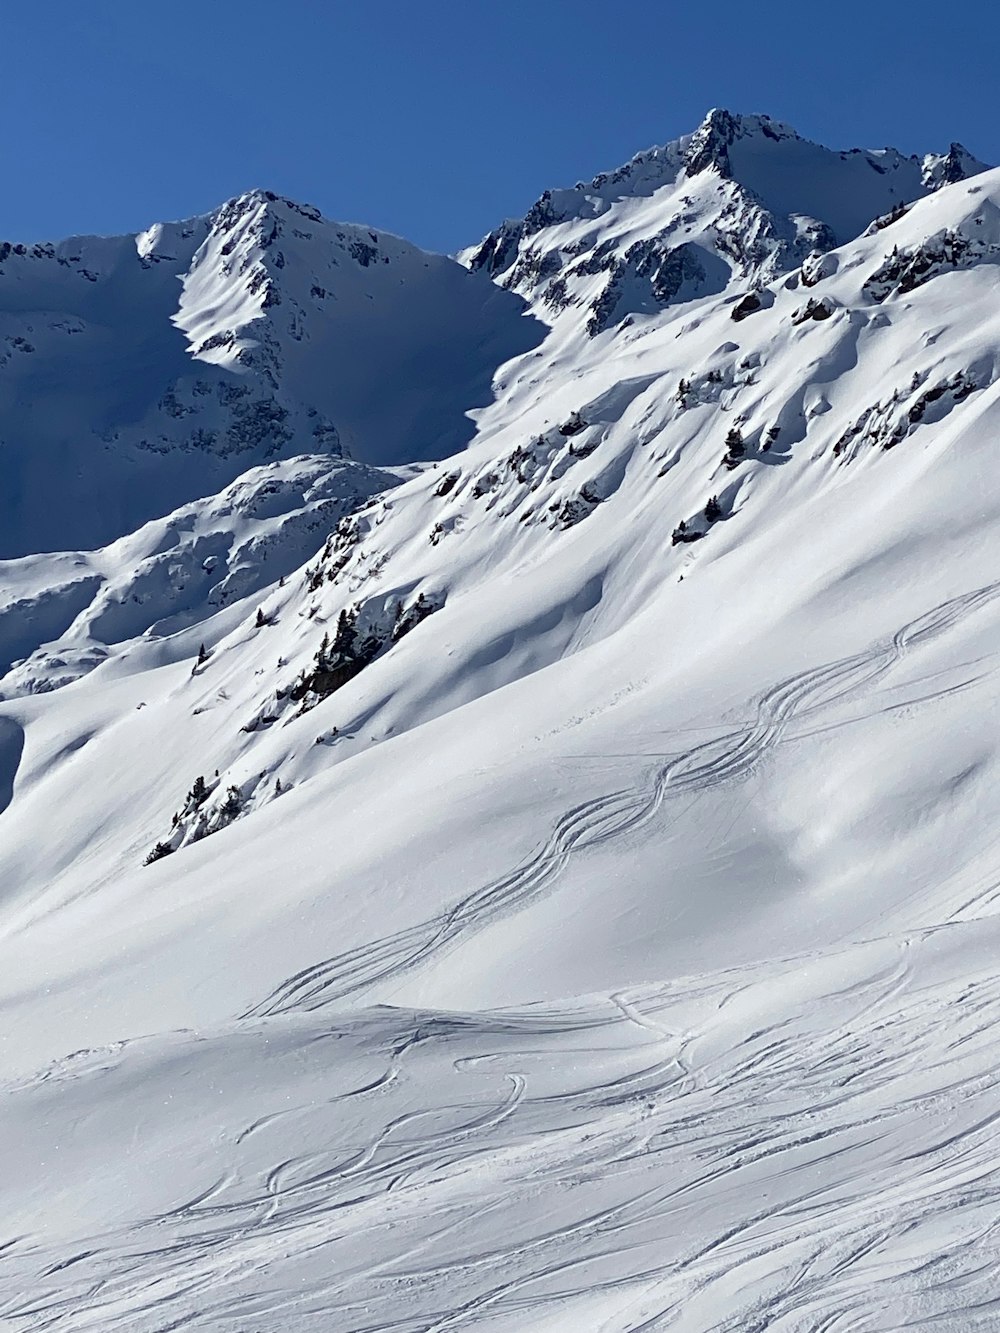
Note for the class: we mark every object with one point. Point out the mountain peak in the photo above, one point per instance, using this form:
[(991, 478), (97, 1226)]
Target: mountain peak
[(743, 198), (709, 145), (252, 203), (196, 349), (947, 168), (753, 137)]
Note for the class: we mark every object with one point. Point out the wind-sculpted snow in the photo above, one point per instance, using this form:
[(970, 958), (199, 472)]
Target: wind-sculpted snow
[(549, 888)]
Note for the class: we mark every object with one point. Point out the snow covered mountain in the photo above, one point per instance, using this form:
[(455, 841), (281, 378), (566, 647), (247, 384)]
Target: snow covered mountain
[(147, 371), (742, 196), (543, 885)]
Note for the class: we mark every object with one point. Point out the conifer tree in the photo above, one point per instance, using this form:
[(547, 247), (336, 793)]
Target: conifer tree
[(345, 635), (323, 654)]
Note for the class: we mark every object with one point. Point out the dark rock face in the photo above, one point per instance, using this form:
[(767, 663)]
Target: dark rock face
[(711, 142), (749, 305), (812, 310), (541, 214), (649, 276), (885, 424), (498, 250), (535, 266), (905, 270), (324, 680), (956, 165)]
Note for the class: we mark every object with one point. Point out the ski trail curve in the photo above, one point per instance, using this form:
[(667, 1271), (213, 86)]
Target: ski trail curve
[(602, 819)]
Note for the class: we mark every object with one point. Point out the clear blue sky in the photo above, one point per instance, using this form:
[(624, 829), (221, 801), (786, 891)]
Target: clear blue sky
[(438, 118)]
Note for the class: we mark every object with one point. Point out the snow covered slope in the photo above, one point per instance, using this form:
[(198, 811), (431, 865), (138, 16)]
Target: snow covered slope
[(62, 613), (568, 900)]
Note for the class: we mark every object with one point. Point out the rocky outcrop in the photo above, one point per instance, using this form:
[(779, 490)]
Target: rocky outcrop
[(905, 270)]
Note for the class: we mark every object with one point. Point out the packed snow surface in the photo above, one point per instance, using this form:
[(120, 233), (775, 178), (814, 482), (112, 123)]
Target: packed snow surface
[(551, 884)]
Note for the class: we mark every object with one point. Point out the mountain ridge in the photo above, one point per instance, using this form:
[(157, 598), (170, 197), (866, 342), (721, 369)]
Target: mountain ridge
[(788, 195)]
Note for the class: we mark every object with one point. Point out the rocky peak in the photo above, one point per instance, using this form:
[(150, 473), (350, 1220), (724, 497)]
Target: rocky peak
[(263, 212), (744, 198), (946, 168), (709, 145)]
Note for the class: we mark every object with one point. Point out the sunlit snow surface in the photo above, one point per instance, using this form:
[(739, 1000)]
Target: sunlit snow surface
[(618, 950)]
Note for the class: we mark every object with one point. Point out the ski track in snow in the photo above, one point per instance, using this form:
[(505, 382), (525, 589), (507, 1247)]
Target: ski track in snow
[(684, 1177), (711, 1138), (499, 1171), (604, 818)]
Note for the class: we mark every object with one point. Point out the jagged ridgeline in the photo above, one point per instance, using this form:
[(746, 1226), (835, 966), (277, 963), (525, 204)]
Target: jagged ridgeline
[(743, 195)]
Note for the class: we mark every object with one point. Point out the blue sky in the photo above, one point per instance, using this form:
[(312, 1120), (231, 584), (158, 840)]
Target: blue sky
[(438, 118)]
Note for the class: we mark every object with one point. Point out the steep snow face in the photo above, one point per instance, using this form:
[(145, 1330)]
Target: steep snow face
[(672, 444), (741, 200), (791, 177), (571, 899), (333, 314), (145, 371)]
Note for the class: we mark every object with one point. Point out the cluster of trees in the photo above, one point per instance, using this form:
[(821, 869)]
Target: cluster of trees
[(337, 659), (201, 824), (735, 447)]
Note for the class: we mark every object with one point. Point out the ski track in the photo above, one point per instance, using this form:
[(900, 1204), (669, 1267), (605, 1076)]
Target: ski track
[(671, 1186), (663, 1150), (598, 821)]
